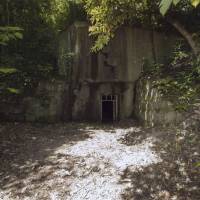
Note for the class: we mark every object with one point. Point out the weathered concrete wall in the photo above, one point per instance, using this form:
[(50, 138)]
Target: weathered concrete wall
[(86, 76), (74, 52), (114, 70), (151, 108), (49, 102)]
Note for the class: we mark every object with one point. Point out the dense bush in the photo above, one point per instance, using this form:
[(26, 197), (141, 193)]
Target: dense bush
[(28, 38), (180, 80)]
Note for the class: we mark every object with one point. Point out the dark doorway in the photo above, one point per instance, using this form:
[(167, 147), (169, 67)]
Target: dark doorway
[(109, 108), (107, 111)]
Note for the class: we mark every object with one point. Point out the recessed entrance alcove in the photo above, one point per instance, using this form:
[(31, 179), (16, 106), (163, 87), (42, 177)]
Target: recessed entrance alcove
[(109, 108)]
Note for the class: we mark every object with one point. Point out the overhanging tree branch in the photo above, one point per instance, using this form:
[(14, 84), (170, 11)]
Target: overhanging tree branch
[(186, 34)]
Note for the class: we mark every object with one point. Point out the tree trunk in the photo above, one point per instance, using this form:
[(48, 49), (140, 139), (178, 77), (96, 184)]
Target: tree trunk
[(188, 36)]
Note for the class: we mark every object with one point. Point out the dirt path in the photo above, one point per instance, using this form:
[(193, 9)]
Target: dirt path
[(75, 162)]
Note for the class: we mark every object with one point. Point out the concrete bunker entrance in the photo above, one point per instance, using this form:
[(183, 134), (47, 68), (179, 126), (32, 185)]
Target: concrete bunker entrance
[(109, 108)]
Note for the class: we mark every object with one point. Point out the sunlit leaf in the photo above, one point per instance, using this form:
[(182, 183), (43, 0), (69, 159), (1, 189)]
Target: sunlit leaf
[(165, 5), (198, 164), (175, 2), (18, 35), (8, 33), (195, 3), (7, 70), (13, 90)]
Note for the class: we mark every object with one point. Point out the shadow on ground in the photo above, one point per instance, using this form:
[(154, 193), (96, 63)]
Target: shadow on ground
[(177, 177), (25, 148), (31, 165)]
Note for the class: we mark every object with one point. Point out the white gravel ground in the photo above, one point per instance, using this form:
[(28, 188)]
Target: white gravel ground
[(98, 163), (102, 159)]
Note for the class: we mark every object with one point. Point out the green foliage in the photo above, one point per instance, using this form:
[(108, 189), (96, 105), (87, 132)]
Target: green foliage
[(181, 90), (8, 33), (195, 3), (7, 70), (23, 80), (13, 90), (5, 74), (166, 4), (107, 16), (33, 56), (180, 81), (198, 164), (55, 12)]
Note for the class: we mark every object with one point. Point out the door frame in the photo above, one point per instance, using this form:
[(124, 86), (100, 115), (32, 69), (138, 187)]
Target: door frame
[(115, 100)]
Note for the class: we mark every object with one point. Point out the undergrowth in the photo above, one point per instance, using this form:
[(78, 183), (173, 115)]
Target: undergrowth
[(180, 80)]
